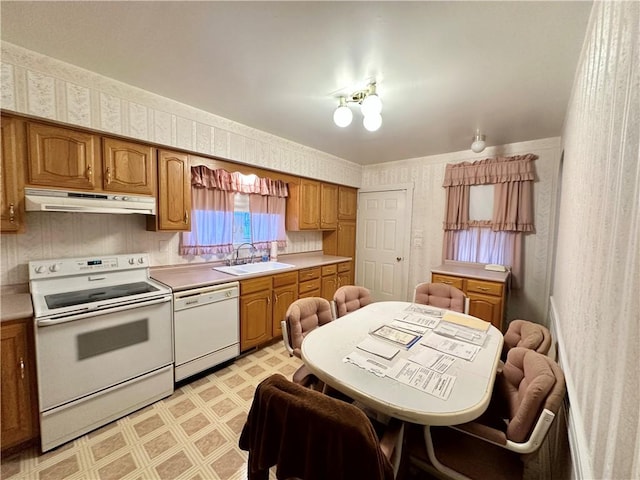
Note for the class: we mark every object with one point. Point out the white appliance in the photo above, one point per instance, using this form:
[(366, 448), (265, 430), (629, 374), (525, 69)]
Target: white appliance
[(206, 328), (103, 334), (42, 200)]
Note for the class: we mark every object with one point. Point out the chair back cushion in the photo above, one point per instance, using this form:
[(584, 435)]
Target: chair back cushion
[(309, 435), (304, 315), (351, 297), (529, 382), (440, 295), (522, 333)]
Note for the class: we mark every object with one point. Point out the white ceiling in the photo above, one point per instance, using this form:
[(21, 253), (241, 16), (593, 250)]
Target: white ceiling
[(443, 69)]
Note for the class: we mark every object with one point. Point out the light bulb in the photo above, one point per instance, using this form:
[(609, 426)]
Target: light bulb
[(342, 116), (478, 143), (371, 105), (372, 122)]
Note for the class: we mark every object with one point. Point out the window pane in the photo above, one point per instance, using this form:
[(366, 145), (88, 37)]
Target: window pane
[(480, 202)]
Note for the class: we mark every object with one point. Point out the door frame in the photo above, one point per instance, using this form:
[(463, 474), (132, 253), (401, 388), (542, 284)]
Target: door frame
[(408, 217)]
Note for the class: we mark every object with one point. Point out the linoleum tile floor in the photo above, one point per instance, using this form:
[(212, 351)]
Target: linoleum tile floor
[(191, 435)]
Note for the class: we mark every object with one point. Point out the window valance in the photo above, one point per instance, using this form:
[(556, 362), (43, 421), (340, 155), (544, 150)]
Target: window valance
[(518, 168), (204, 177)]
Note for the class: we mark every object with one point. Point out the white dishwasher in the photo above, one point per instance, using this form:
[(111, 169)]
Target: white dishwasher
[(206, 328)]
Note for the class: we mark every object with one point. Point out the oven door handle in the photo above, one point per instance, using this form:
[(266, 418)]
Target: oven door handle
[(92, 313)]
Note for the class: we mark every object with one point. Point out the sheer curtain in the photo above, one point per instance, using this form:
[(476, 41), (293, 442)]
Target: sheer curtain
[(213, 210), (499, 239)]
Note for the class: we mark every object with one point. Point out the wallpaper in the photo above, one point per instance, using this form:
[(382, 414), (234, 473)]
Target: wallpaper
[(427, 175), (597, 274), (41, 86)]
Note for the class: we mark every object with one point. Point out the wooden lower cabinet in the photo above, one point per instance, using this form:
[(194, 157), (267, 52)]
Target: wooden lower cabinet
[(263, 304), (255, 312), (487, 299), (285, 292), (329, 281), (19, 398), (309, 283), (345, 274)]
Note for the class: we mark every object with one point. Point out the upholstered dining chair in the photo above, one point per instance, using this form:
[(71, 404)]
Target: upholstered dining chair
[(349, 298), (312, 436), (526, 398), (441, 295), (303, 316), (526, 334)]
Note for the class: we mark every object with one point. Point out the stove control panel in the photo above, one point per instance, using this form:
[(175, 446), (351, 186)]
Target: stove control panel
[(77, 266)]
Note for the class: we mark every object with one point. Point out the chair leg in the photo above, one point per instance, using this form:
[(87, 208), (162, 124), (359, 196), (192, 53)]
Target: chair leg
[(428, 440)]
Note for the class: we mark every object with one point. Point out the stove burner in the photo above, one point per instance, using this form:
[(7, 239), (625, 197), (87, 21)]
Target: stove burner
[(69, 299)]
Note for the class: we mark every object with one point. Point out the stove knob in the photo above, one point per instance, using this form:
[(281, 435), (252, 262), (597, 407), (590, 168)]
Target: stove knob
[(54, 268), (141, 260), (39, 269), (125, 198), (132, 261)]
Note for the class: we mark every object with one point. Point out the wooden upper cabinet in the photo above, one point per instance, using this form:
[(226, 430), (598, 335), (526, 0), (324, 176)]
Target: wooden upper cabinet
[(309, 205), (12, 176), (174, 192), (303, 205), (312, 205), (347, 203), (63, 158), (128, 167), (328, 206)]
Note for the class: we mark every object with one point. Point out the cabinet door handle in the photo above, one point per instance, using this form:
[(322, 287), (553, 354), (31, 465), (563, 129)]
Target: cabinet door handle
[(12, 213), (21, 368), (186, 217), (89, 173), (268, 300), (108, 176), (484, 289)]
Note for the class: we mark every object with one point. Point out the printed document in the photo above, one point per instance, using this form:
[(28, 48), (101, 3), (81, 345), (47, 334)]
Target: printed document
[(429, 381), (453, 347)]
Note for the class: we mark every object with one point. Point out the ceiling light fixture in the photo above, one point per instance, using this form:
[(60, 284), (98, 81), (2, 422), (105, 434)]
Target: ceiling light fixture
[(478, 142), (370, 106)]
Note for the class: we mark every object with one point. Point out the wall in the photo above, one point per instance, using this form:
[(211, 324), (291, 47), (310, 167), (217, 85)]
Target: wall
[(41, 86), (596, 280), (427, 174)]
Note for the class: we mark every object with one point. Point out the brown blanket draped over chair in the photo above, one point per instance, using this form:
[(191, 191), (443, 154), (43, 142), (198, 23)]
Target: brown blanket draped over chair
[(309, 435)]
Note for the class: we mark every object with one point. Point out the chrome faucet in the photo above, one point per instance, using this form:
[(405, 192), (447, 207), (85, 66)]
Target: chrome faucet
[(253, 251)]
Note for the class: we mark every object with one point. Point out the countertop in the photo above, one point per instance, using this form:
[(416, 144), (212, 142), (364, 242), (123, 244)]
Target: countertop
[(15, 306), (184, 277), (471, 270)]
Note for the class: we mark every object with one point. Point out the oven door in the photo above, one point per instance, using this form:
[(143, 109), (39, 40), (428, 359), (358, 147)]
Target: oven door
[(83, 354)]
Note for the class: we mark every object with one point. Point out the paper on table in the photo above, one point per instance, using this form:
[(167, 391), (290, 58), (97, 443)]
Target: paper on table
[(461, 332), (432, 359), (381, 349), (462, 350), (418, 319), (411, 327), (466, 320), (417, 376), (370, 365), (424, 310)]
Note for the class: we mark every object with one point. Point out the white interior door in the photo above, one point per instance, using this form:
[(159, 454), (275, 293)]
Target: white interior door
[(384, 219)]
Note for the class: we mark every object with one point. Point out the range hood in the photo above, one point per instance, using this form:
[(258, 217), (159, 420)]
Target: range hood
[(41, 200)]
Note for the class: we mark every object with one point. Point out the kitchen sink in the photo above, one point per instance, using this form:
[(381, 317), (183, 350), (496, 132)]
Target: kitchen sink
[(250, 268)]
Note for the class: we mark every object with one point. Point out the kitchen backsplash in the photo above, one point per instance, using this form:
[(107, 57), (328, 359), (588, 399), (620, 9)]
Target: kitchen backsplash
[(58, 235)]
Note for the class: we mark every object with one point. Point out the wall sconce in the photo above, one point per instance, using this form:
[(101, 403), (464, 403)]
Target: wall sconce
[(478, 142), (370, 106)]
